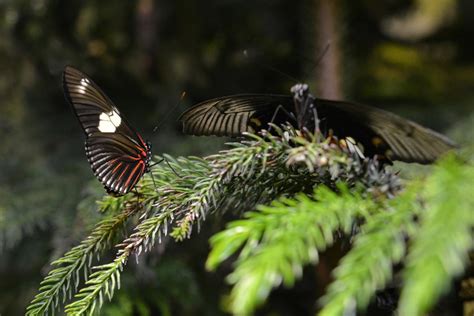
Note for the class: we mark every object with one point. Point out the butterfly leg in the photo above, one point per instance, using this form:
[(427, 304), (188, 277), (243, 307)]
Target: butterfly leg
[(138, 196), (316, 120), (169, 165), (280, 107), (153, 179)]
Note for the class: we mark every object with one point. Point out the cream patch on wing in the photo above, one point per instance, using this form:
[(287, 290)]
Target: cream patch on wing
[(82, 88), (108, 122)]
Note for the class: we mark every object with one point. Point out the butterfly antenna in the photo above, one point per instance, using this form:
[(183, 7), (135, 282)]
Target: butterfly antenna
[(315, 64), (183, 94), (321, 56), (271, 68)]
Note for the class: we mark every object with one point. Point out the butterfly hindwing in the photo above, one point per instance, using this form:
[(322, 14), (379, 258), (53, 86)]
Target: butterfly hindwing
[(118, 167), (116, 151)]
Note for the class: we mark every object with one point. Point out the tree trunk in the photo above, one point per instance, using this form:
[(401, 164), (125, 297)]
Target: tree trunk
[(328, 50)]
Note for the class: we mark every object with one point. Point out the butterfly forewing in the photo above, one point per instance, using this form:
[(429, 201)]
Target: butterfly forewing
[(384, 133), (233, 115), (116, 151)]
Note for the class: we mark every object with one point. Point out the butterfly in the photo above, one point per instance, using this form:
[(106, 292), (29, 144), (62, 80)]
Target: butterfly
[(377, 132), (117, 153)]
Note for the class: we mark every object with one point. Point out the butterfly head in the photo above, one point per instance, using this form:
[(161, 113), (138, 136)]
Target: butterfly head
[(300, 91)]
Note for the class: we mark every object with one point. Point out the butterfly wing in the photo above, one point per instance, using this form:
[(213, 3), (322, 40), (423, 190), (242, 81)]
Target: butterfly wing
[(232, 115), (380, 132), (116, 151)]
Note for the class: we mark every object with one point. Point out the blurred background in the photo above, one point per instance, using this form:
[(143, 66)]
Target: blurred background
[(413, 57)]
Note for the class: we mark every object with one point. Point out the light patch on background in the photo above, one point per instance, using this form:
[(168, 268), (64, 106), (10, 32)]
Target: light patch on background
[(108, 122), (424, 19)]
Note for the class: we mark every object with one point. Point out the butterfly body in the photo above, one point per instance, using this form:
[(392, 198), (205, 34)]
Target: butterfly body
[(305, 108), (377, 132), (117, 153)]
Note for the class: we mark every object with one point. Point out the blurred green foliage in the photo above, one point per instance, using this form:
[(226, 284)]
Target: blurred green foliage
[(145, 54)]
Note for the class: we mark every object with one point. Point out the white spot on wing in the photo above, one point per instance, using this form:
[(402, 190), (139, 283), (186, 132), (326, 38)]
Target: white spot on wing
[(108, 122), (115, 118), (84, 83)]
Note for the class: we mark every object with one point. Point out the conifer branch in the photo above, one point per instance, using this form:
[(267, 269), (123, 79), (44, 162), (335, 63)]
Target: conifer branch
[(106, 278), (278, 240), (367, 267), (60, 282), (275, 242), (437, 218), (440, 247), (253, 171), (163, 206)]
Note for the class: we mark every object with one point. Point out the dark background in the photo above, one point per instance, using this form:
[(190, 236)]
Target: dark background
[(415, 58)]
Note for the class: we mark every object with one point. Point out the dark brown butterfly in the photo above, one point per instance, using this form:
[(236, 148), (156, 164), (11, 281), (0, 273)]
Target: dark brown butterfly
[(379, 132), (117, 153)]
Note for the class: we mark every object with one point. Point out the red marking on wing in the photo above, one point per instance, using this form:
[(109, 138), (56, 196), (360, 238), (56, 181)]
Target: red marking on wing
[(143, 151), (116, 167), (134, 158), (141, 163), (123, 172), (142, 141)]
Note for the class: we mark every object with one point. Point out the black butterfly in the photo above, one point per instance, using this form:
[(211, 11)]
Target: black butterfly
[(379, 132), (116, 151)]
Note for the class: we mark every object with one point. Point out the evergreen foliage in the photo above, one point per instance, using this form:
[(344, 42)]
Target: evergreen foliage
[(278, 240), (304, 193), (440, 247), (379, 245), (65, 277)]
